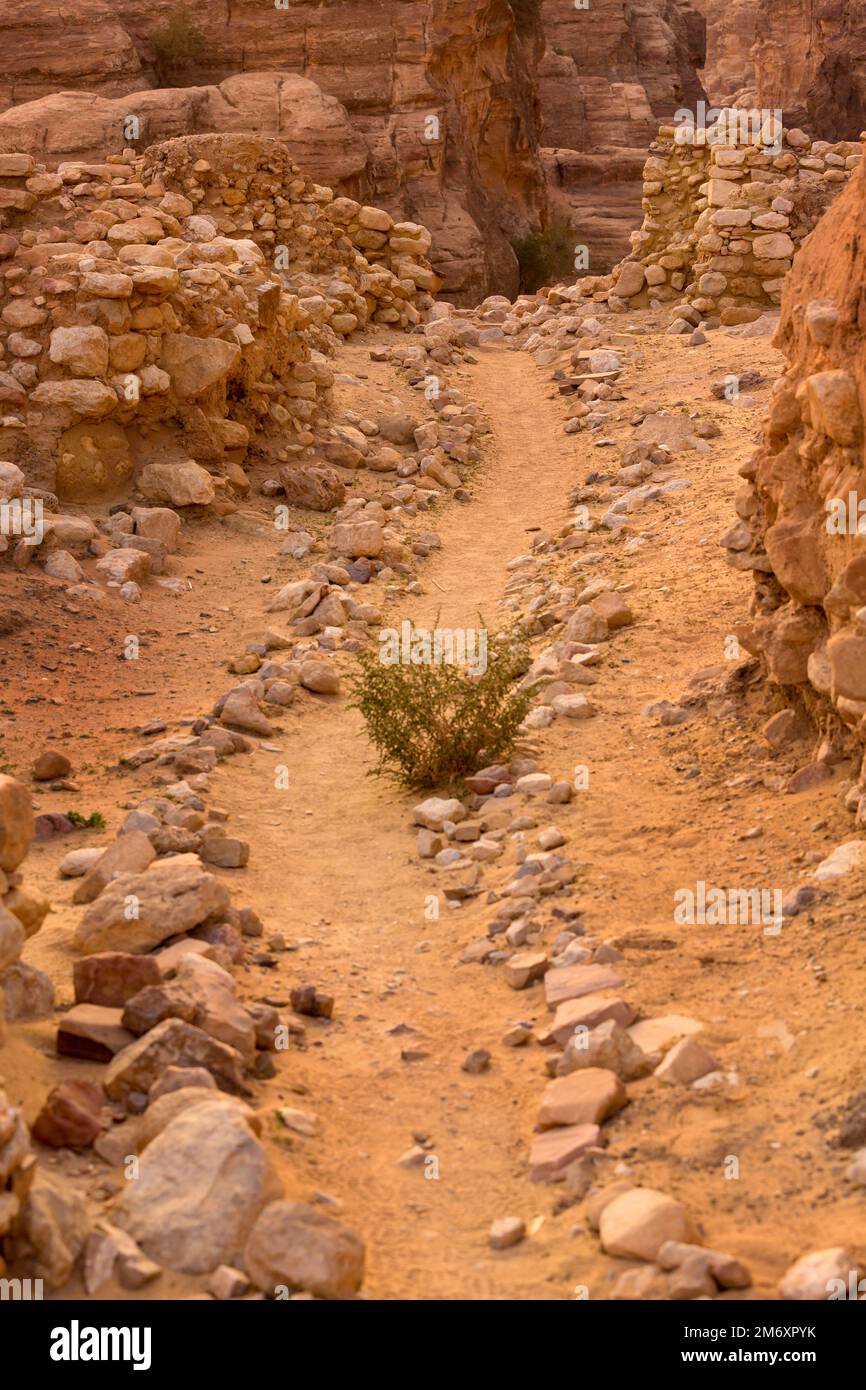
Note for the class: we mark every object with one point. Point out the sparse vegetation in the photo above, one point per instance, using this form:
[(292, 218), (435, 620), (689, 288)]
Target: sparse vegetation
[(433, 725), (545, 257), (177, 45), (95, 821)]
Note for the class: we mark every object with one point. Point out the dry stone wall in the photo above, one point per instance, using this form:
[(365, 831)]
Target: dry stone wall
[(157, 311), (723, 221)]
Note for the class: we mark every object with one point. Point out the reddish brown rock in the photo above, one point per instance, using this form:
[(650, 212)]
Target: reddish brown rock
[(317, 488), (581, 1098), (51, 764), (111, 977), (554, 1149), (572, 981), (71, 1116), (306, 999)]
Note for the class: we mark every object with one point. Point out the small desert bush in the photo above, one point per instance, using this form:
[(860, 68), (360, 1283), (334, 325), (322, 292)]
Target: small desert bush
[(96, 821), (546, 257), (177, 45), (432, 725)]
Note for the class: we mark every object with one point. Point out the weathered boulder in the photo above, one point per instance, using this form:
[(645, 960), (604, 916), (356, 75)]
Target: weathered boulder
[(294, 1246), (202, 1183), (137, 911)]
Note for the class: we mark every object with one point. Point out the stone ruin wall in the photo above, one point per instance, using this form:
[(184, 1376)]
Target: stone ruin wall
[(173, 305), (722, 222)]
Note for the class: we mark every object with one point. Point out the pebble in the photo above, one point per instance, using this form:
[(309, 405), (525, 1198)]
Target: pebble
[(476, 1062), (507, 1231)]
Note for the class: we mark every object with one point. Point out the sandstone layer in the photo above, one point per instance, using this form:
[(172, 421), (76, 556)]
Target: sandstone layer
[(483, 121), (799, 521)]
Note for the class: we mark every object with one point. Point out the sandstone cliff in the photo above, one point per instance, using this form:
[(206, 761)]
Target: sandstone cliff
[(608, 75), (438, 91), (799, 526), (810, 60), (474, 119), (729, 71)]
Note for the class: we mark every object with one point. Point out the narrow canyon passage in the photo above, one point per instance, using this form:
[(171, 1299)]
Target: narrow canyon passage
[(336, 871)]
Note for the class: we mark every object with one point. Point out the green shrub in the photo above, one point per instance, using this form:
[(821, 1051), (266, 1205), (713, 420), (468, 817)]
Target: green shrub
[(177, 45), (433, 725), (546, 257), (96, 821)]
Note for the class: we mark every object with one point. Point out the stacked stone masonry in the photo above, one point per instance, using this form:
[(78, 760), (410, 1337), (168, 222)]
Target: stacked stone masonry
[(723, 221), (166, 307)]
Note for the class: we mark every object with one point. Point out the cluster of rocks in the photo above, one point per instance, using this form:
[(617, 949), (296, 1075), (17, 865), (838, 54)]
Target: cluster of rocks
[(157, 1004), (24, 991), (157, 311)]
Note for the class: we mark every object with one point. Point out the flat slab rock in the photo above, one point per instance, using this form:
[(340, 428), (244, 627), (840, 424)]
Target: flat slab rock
[(659, 1034), (588, 1012), (572, 981), (554, 1149), (581, 1098), (92, 1031)]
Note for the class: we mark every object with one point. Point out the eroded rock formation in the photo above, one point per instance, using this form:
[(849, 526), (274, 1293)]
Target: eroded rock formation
[(608, 75), (799, 511), (729, 71)]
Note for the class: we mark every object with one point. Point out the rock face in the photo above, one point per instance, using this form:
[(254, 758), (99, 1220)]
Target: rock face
[(439, 110), (799, 507), (609, 74), (801, 58), (729, 71)]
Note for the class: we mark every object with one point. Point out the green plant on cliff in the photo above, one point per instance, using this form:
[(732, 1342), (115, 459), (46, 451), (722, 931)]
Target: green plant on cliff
[(177, 45), (546, 257), (433, 725)]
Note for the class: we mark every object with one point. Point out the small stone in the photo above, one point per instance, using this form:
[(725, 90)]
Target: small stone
[(50, 765), (507, 1231), (686, 1061), (476, 1062), (314, 1003), (227, 1282), (525, 967)]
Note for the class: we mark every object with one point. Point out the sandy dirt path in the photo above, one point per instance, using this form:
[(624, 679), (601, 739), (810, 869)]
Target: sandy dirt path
[(334, 868)]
